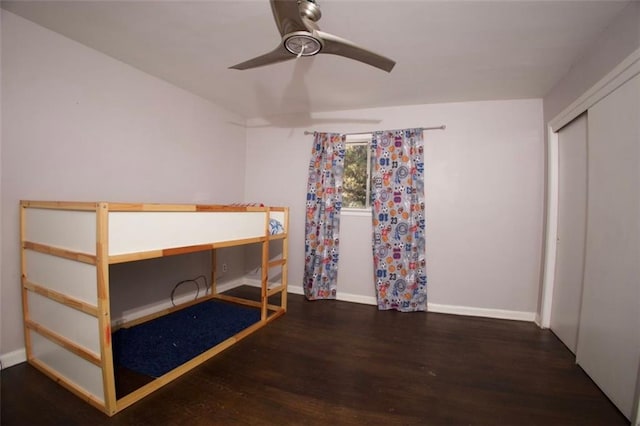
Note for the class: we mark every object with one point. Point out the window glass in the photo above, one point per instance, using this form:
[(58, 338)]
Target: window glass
[(355, 183)]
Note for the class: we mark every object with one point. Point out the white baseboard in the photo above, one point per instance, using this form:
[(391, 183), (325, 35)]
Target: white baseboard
[(431, 307), (295, 289), (343, 297), (481, 312), (356, 298), (12, 358), (538, 320)]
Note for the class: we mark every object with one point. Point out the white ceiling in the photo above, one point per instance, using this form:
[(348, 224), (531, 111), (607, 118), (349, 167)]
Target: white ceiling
[(446, 51)]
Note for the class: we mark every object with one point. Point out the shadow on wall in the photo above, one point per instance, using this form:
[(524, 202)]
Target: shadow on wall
[(295, 98)]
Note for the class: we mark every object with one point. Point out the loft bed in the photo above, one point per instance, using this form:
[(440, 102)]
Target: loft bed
[(66, 250)]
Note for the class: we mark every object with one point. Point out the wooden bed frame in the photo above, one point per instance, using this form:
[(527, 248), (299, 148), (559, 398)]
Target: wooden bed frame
[(66, 250)]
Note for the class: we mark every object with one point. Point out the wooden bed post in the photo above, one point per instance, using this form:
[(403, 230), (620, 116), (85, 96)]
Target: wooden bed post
[(214, 271), (104, 311), (285, 264), (23, 277), (264, 279)]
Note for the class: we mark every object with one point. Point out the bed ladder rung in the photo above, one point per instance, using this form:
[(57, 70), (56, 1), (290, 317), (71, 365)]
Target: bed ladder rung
[(275, 290), (278, 262)]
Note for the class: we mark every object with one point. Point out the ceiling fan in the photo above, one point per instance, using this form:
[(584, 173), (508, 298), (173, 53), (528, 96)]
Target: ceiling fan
[(301, 36)]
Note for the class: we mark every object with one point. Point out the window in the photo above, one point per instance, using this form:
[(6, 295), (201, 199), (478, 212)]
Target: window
[(357, 172)]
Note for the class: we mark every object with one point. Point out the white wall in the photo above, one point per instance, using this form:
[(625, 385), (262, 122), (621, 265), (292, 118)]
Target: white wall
[(484, 180), (619, 40), (79, 125)]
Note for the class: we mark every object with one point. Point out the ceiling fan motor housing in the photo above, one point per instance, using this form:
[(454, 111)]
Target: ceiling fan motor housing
[(309, 9), (302, 43)]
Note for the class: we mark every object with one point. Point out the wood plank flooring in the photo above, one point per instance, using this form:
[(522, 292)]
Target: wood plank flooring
[(338, 363)]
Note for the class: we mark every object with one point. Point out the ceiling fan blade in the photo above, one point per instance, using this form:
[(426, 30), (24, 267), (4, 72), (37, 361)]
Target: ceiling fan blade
[(279, 54), (287, 16), (338, 46)]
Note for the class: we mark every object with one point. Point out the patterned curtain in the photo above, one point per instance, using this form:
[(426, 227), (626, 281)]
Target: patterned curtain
[(324, 200), (397, 203)]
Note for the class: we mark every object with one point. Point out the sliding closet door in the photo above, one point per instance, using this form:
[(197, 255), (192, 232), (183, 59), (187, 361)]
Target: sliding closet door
[(572, 213), (609, 332)]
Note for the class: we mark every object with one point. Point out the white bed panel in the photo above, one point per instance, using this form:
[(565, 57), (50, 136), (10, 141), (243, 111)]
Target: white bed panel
[(131, 232), (75, 369), (65, 276), (80, 328), (68, 229)]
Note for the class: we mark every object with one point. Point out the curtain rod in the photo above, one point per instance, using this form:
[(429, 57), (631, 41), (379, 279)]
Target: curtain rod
[(310, 132)]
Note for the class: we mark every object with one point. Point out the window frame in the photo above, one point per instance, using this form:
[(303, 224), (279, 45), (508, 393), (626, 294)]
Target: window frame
[(361, 139)]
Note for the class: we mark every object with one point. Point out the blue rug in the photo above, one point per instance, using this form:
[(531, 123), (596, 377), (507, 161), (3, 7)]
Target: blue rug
[(158, 346)]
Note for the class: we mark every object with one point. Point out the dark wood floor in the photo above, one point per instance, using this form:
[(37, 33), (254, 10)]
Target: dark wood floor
[(329, 362)]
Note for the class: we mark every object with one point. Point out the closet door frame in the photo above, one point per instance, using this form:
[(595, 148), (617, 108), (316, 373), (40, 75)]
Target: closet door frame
[(572, 231), (622, 73)]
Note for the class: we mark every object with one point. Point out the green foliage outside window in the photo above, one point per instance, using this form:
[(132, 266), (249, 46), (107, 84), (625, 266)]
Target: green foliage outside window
[(354, 184)]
